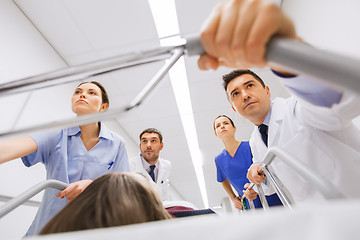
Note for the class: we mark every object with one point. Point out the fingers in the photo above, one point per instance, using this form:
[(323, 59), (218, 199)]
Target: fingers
[(69, 192), (73, 190), (238, 31), (238, 203), (246, 17), (255, 174), (238, 206), (209, 31), (207, 62), (224, 34), (250, 194)]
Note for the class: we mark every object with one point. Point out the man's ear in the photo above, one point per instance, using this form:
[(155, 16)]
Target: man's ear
[(161, 146), (267, 89)]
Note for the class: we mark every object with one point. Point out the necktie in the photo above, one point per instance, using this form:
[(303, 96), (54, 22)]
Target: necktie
[(263, 129), (151, 173)]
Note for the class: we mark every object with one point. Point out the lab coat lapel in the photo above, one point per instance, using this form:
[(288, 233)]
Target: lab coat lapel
[(276, 119), (140, 169), (161, 172)]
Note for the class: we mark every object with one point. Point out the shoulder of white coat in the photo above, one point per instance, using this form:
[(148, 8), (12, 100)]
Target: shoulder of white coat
[(135, 162), (165, 163)]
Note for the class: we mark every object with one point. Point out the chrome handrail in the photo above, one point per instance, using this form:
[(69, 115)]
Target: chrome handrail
[(295, 56), (22, 198), (106, 115), (325, 187)]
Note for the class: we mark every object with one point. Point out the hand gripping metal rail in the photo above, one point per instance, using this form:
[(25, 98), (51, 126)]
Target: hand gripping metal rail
[(22, 198), (326, 188), (294, 56)]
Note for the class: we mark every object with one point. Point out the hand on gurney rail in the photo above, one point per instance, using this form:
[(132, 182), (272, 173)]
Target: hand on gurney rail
[(237, 32), (249, 193), (74, 189), (255, 174)]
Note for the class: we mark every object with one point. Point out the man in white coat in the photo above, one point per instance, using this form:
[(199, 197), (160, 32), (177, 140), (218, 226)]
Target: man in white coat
[(315, 124), (149, 164)]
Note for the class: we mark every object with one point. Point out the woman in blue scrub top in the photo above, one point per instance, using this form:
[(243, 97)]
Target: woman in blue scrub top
[(233, 163), (75, 155)]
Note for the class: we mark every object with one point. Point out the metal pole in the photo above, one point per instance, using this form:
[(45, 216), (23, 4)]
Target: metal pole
[(331, 68), (279, 189), (19, 200), (301, 58), (177, 53), (262, 197), (101, 116), (84, 71)]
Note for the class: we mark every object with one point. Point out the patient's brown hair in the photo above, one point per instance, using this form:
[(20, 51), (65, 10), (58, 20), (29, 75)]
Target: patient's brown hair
[(114, 199)]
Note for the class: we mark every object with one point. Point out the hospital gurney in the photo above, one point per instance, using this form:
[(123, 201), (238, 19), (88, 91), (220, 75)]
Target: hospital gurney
[(294, 56), (323, 186)]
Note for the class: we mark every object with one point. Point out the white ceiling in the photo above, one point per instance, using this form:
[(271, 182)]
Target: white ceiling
[(82, 31)]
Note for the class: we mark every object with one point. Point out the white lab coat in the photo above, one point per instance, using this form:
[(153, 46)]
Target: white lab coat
[(323, 138), (162, 180)]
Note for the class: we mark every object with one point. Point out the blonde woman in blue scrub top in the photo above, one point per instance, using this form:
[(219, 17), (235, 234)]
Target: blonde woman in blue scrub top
[(75, 155)]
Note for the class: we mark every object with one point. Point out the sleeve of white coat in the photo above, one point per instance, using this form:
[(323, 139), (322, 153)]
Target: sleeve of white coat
[(320, 106)]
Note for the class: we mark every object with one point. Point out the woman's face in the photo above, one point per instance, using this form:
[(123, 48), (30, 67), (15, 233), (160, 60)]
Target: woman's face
[(223, 127), (87, 99)]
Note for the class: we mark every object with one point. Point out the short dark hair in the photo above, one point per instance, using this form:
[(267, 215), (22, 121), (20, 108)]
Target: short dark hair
[(152, 130), (104, 95), (236, 73), (223, 115)]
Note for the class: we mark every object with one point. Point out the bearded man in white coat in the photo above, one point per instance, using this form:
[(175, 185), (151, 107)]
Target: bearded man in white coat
[(314, 124), (149, 164)]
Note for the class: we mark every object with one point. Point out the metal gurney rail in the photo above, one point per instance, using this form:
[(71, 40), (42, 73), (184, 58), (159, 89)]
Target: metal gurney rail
[(326, 188), (294, 56), (19, 200)]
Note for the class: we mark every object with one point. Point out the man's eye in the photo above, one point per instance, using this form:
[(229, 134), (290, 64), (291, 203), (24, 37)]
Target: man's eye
[(250, 85)]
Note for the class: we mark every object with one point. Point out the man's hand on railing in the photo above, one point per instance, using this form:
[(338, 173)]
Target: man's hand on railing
[(237, 32), (249, 193), (74, 189), (255, 174)]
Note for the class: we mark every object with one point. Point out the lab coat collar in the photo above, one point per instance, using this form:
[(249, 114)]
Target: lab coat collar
[(277, 115)]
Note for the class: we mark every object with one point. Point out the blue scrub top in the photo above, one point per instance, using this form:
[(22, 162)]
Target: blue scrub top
[(66, 159), (234, 169)]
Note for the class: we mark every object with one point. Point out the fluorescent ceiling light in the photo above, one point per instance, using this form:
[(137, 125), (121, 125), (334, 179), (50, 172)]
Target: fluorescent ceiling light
[(164, 14), (165, 17)]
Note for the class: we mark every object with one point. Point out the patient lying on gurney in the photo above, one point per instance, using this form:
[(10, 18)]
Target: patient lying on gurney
[(114, 199)]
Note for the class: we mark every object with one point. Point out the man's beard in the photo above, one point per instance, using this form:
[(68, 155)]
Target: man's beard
[(151, 159)]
